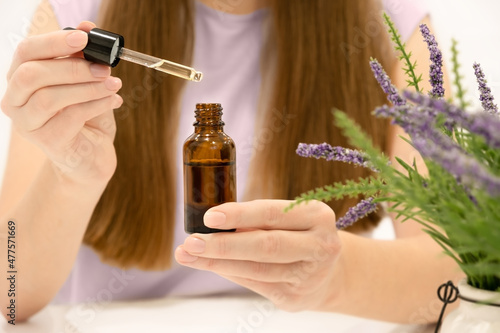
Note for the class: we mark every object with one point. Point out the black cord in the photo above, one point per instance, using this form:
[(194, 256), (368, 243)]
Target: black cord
[(477, 302), (447, 293)]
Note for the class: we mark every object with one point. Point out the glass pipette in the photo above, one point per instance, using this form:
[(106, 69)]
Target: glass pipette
[(106, 48), (161, 65)]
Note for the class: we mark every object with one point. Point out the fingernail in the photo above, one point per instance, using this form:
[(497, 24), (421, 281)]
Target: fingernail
[(113, 83), (117, 102), (99, 70), (182, 256), (214, 219), (194, 245), (77, 38)]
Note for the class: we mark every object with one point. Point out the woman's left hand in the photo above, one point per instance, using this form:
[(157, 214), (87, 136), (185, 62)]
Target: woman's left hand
[(289, 258)]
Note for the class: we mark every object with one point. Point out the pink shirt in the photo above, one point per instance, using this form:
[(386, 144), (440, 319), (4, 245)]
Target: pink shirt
[(227, 51)]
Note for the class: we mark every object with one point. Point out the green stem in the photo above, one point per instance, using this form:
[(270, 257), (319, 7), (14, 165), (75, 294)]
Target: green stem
[(401, 47), (460, 94)]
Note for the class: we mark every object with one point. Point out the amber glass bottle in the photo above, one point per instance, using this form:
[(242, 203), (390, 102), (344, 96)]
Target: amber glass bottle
[(209, 168)]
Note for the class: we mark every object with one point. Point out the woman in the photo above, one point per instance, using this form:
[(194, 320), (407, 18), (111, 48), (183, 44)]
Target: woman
[(109, 179)]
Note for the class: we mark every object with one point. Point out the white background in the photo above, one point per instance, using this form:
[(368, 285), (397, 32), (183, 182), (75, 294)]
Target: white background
[(473, 23)]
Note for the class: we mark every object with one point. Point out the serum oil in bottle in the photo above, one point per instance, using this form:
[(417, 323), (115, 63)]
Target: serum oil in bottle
[(209, 168)]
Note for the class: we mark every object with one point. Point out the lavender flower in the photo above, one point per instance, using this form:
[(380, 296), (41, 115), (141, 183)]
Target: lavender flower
[(385, 82), (362, 209), (399, 115), (417, 122), (485, 92), (436, 73), (324, 150), (467, 170), (481, 123), (428, 130)]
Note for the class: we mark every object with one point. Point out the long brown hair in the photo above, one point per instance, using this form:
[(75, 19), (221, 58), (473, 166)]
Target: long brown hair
[(318, 52)]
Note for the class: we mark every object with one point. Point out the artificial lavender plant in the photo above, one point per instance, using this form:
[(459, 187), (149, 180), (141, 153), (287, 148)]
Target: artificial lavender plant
[(457, 198)]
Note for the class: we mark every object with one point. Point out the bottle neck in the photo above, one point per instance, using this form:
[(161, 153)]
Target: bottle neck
[(208, 117)]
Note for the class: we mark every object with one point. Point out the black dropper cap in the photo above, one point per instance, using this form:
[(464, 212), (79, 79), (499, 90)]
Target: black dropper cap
[(103, 47)]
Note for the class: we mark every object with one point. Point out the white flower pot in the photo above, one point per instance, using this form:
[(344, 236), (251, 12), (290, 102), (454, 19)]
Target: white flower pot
[(473, 317)]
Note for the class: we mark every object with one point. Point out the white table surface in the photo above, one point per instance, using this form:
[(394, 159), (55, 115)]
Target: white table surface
[(247, 314)]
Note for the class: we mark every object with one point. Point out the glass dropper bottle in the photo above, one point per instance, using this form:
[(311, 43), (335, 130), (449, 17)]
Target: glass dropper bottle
[(209, 157), (106, 48)]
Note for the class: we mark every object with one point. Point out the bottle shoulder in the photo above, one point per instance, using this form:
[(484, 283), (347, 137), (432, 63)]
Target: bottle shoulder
[(210, 137), (209, 145)]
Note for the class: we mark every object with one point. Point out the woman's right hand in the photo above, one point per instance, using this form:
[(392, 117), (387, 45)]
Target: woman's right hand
[(64, 104)]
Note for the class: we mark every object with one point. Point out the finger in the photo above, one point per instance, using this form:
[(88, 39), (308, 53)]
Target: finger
[(59, 130), (258, 271), (47, 102), (48, 46), (34, 75), (270, 290), (268, 214), (85, 26), (274, 246), (106, 122)]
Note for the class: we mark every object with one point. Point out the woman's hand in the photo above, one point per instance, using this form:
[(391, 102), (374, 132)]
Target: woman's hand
[(289, 258), (63, 104)]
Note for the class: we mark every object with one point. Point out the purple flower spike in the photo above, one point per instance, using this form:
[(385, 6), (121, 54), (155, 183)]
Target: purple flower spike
[(362, 209), (485, 92), (467, 170), (417, 122), (484, 124), (436, 72), (385, 82), (324, 150)]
